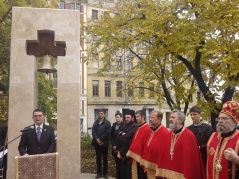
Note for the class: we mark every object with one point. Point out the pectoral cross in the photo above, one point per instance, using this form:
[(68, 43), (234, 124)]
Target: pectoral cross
[(171, 155)]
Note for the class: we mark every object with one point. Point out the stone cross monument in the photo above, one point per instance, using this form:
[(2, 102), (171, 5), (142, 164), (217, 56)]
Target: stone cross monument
[(37, 32), (46, 45)]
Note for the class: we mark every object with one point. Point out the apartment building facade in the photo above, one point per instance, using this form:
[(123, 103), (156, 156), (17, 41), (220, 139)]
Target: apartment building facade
[(111, 91)]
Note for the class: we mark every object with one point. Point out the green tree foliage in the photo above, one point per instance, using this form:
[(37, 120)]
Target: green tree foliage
[(5, 38), (47, 98), (200, 37)]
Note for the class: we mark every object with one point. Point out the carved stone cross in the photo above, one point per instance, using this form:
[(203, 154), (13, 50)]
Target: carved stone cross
[(46, 45)]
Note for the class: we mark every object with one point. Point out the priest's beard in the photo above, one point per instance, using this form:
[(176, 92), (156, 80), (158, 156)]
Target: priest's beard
[(225, 128), (174, 126)]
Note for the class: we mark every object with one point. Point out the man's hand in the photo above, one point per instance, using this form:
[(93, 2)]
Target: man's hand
[(231, 155), (99, 142)]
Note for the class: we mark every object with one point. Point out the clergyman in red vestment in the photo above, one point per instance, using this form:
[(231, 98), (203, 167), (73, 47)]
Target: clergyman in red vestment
[(137, 146), (154, 144), (180, 158), (223, 146)]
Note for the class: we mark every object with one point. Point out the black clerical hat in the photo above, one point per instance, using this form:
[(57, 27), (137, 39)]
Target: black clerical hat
[(130, 112)]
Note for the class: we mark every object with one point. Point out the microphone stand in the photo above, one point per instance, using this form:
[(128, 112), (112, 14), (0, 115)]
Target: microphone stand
[(3, 147), (12, 140)]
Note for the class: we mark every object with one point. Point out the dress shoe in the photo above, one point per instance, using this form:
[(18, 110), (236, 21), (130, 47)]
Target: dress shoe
[(105, 176), (98, 176)]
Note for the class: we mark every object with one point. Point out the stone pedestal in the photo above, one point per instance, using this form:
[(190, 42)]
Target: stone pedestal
[(23, 83)]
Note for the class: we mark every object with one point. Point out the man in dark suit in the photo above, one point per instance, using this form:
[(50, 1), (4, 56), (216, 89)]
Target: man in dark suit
[(115, 129), (39, 140)]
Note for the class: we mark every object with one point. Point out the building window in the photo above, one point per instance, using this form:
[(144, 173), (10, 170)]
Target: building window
[(198, 95), (118, 62), (95, 87), (141, 89), (78, 7), (95, 61), (119, 88), (81, 124), (147, 113), (62, 5), (190, 97), (151, 90), (129, 63), (107, 64), (168, 119), (130, 91), (94, 14), (72, 6), (107, 88)]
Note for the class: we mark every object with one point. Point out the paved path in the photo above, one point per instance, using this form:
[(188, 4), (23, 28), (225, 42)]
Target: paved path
[(90, 176)]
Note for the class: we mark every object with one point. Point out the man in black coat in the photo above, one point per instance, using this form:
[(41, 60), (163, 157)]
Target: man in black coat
[(125, 139), (38, 140), (201, 130), (115, 129), (101, 136)]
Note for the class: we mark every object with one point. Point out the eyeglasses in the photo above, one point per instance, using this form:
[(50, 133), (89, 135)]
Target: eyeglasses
[(222, 118), (36, 116)]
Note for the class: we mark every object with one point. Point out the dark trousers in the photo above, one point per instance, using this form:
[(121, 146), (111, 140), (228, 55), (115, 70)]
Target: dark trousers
[(117, 163), (140, 172), (101, 151), (125, 167)]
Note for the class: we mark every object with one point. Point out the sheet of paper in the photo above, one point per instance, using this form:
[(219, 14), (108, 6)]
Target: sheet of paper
[(3, 152)]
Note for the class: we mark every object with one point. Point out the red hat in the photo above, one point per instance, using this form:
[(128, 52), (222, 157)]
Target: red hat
[(231, 108)]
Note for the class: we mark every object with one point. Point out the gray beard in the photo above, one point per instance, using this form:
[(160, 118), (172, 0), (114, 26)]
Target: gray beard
[(225, 129), (171, 126)]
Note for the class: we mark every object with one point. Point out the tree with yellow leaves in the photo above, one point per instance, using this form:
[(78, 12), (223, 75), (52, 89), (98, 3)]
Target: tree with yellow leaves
[(183, 38)]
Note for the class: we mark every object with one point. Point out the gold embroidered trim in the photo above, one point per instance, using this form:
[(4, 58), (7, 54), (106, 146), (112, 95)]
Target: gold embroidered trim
[(148, 165), (136, 133), (234, 164), (134, 170), (16, 169), (169, 174), (208, 151), (151, 136), (57, 166), (151, 174), (133, 156)]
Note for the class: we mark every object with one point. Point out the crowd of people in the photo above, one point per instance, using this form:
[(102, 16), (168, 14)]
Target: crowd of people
[(152, 151), (143, 150)]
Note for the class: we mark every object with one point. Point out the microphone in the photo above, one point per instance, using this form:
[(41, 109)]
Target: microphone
[(27, 128)]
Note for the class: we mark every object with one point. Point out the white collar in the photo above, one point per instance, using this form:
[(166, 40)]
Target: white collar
[(41, 126)]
